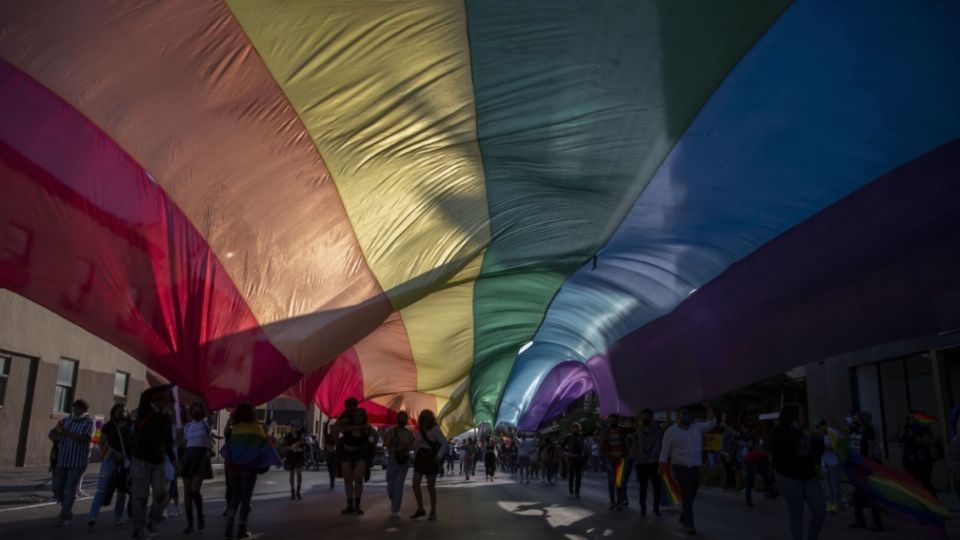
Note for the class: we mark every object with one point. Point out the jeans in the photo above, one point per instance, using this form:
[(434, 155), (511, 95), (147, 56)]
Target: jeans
[(618, 495), (649, 472), (147, 477), (574, 474), (396, 479), (65, 482), (242, 482), (832, 477), (751, 470), (796, 493), (688, 480), (108, 468)]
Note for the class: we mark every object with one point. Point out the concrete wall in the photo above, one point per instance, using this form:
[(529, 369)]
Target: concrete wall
[(30, 331)]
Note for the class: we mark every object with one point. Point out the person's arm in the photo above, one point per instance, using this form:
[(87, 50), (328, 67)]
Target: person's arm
[(437, 432)]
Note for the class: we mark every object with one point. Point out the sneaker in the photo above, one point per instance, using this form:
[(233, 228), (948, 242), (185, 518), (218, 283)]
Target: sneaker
[(137, 535), (62, 522), (418, 514), (119, 522), (751, 505), (91, 523), (394, 515), (690, 530), (433, 516), (656, 512)]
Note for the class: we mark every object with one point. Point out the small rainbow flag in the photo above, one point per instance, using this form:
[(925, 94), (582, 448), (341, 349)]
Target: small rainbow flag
[(922, 417), (671, 489), (619, 472), (249, 448)]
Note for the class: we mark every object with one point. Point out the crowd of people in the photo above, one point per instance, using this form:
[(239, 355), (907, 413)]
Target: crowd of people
[(145, 452)]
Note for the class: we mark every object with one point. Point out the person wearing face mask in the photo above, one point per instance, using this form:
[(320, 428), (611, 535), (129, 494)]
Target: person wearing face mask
[(195, 466), (795, 456), (397, 444), (74, 434), (116, 440), (645, 452), (682, 451)]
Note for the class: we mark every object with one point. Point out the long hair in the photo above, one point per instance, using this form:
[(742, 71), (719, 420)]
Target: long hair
[(244, 413), (116, 410), (426, 420)]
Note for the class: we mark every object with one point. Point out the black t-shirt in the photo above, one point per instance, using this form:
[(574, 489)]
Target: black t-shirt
[(795, 454), (573, 445), (863, 440)]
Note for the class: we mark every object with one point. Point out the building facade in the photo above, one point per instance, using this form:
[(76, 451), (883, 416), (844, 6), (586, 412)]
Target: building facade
[(46, 362), (890, 381)]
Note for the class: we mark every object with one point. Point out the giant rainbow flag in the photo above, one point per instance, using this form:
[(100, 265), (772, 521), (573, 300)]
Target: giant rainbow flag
[(482, 207)]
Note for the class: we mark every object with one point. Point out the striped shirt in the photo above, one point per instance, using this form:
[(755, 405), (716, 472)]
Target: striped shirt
[(74, 453)]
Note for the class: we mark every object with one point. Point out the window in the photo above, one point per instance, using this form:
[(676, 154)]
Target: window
[(120, 382), (4, 375), (66, 380)]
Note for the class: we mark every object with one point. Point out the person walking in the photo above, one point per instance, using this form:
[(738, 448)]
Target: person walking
[(330, 452), (73, 435), (397, 445), (645, 452), (682, 451), (451, 455), (429, 445), (489, 458), (795, 456), (294, 456), (247, 452), (615, 448), (356, 438), (525, 449), (832, 469), (863, 439), (728, 454), (573, 453), (152, 443), (917, 441), (114, 469), (195, 466), (469, 456)]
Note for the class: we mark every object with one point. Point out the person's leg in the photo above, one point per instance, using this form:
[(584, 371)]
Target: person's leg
[(139, 493), (158, 485), (196, 486), (399, 481), (248, 483), (417, 494), (107, 469), (59, 479), (813, 495), (71, 482), (359, 470), (611, 484), (392, 467), (833, 480), (120, 502), (792, 491), (432, 491), (332, 469), (653, 473), (188, 503), (748, 481), (347, 467), (642, 476), (694, 487), (579, 477)]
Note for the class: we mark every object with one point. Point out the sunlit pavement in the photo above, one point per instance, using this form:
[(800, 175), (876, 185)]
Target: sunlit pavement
[(474, 509)]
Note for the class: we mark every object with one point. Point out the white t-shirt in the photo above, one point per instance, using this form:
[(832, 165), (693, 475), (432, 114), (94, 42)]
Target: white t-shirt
[(197, 434), (685, 446)]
